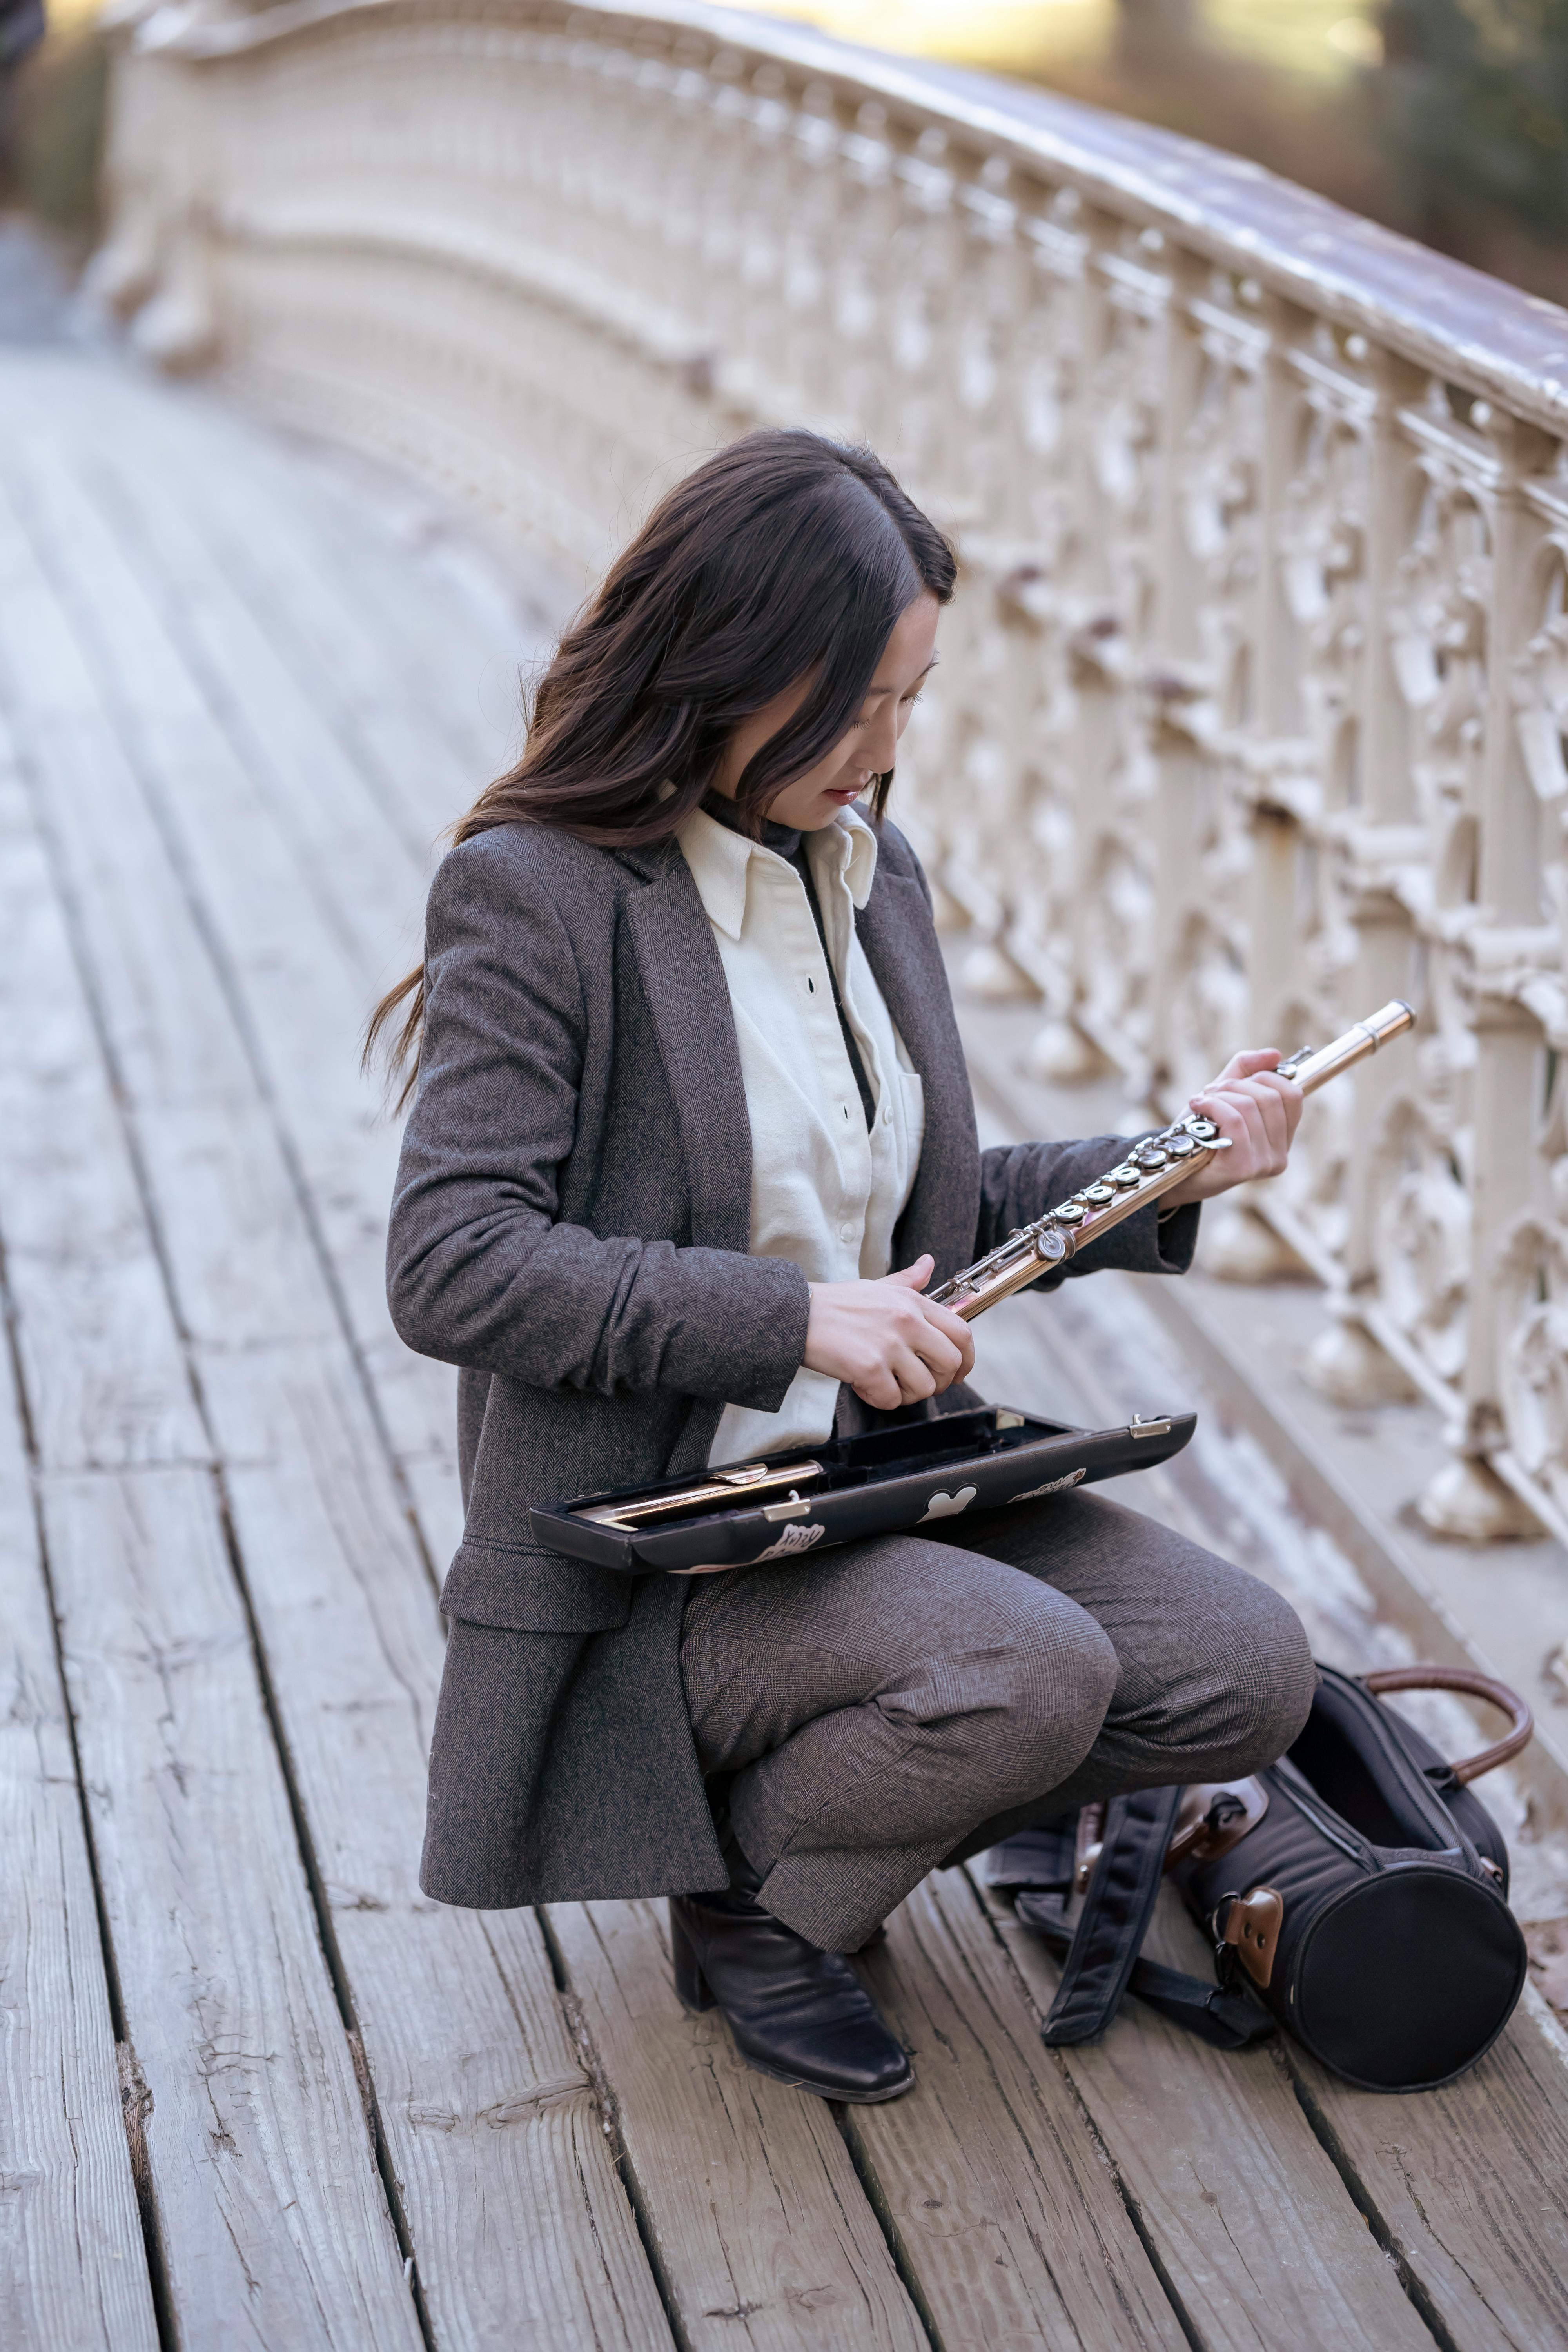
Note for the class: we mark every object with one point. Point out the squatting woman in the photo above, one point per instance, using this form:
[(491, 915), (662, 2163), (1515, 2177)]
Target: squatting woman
[(692, 1138)]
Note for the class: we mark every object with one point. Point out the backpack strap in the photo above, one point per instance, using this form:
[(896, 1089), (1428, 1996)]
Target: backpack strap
[(1115, 1915), (1227, 2016), (1101, 1952)]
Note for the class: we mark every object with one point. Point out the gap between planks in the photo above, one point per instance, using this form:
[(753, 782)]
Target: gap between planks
[(74, 2261)]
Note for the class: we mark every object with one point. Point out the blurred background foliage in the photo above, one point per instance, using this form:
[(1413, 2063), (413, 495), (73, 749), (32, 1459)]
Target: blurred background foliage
[(1477, 112), (1447, 119), (56, 124)]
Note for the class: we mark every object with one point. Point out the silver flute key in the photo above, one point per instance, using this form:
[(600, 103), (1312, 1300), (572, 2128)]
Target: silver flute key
[(1153, 1165)]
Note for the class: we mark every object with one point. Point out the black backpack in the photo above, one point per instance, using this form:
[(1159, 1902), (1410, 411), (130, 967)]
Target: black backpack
[(1355, 1895)]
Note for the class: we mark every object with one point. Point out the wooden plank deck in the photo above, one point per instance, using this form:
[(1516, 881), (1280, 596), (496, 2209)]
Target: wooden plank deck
[(254, 2088)]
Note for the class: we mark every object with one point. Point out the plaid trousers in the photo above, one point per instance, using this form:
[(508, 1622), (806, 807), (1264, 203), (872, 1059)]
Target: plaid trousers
[(892, 1705)]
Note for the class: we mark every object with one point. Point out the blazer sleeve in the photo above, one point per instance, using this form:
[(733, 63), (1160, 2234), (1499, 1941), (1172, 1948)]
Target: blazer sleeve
[(480, 1272), (1019, 1182)]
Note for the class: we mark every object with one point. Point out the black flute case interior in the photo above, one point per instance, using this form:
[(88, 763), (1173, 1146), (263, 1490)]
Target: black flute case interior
[(909, 1476)]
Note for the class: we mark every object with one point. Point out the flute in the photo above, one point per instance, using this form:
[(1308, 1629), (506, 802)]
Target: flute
[(1153, 1165)]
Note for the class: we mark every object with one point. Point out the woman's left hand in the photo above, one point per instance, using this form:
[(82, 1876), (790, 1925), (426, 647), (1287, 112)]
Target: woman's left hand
[(1258, 1111)]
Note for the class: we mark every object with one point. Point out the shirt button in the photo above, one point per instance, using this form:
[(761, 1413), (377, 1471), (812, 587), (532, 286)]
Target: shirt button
[(845, 1233), (886, 1113)]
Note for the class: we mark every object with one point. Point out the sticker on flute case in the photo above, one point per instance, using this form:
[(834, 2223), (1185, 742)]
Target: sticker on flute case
[(948, 1507), (1051, 1486), (792, 1539)]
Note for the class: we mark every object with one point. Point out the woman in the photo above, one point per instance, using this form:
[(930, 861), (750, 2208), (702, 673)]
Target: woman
[(692, 1137)]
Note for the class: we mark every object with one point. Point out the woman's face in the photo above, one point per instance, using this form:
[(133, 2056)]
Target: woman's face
[(870, 747)]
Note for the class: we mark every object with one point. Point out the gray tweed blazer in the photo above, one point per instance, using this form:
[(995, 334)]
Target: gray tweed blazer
[(570, 1228)]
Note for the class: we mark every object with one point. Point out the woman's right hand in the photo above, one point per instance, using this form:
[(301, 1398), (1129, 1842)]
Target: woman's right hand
[(892, 1346)]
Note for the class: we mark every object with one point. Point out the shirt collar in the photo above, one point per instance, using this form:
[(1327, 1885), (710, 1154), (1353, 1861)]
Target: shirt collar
[(718, 859), (721, 859), (847, 846)]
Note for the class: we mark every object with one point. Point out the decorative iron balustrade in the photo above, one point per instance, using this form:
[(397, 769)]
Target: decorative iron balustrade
[(1253, 706)]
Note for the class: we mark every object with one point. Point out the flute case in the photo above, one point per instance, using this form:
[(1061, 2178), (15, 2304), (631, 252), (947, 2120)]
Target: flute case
[(915, 1475)]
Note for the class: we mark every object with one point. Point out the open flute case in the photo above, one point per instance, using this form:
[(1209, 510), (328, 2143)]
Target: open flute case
[(909, 1476)]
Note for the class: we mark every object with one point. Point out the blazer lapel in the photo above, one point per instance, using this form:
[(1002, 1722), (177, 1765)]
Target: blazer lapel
[(895, 931), (689, 998)]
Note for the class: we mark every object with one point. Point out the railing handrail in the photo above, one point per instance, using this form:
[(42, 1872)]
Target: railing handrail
[(1493, 340)]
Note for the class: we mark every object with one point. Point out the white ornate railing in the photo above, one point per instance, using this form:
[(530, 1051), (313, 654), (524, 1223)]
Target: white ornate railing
[(1254, 702)]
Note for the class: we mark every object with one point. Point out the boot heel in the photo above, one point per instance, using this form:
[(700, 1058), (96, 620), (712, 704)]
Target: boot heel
[(690, 1984)]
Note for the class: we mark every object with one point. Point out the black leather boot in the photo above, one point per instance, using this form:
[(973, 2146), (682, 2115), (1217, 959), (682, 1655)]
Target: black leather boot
[(796, 2014)]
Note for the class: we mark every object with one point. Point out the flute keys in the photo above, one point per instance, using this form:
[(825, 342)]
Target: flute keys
[(1071, 1212), (1126, 1176), (1152, 1155), (1182, 1147), (1203, 1130), (1099, 1193), (1049, 1243)]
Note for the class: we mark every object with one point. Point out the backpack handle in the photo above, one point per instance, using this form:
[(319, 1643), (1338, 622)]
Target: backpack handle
[(1475, 1686)]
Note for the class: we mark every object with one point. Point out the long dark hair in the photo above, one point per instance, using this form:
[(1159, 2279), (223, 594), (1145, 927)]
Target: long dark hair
[(783, 557)]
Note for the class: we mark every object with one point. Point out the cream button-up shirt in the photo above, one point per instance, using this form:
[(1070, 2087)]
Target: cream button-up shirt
[(826, 1191)]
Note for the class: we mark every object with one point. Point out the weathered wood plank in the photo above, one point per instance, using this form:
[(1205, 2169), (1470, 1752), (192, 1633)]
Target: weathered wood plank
[(1263, 2248), (421, 671), (305, 1002), (106, 1384), (355, 867), (262, 2170), (522, 2230), (1469, 2184), (73, 2268), (1465, 2183), (487, 2114), (1008, 2214), (389, 618), (278, 955), (269, 2200), (760, 2227), (419, 679)]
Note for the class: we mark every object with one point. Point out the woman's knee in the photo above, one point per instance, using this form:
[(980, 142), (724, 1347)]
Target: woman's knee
[(1270, 1678), (1291, 1678), (1053, 1685), (1227, 1686)]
